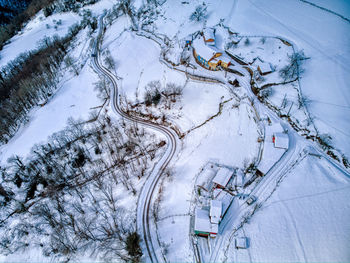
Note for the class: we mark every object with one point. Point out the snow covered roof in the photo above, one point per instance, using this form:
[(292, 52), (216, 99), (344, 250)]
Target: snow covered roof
[(202, 222), (215, 211), (281, 140), (223, 58), (241, 242), (222, 177), (209, 34), (202, 49)]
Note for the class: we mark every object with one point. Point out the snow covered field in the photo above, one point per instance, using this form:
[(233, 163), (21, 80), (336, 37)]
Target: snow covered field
[(324, 38), (305, 220)]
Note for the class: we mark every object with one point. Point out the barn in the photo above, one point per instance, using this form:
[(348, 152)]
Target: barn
[(202, 225), (222, 177)]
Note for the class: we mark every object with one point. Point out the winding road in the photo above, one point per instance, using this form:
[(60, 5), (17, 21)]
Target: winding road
[(144, 205)]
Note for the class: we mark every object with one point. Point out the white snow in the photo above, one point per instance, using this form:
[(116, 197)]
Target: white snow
[(306, 219)]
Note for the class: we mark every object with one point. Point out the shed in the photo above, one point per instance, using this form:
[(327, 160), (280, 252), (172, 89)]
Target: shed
[(241, 242), (222, 177), (209, 36), (215, 211), (281, 140), (202, 225)]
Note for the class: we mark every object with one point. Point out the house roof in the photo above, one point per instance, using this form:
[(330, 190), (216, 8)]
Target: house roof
[(241, 242), (202, 49), (202, 222), (215, 211), (209, 33), (281, 140), (222, 177)]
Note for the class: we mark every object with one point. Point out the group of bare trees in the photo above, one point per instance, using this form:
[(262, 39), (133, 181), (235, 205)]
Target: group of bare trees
[(32, 78), (65, 196), (155, 93), (293, 69), (9, 30)]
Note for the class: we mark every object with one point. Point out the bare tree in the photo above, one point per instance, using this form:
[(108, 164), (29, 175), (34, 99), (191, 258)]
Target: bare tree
[(295, 66), (200, 13)]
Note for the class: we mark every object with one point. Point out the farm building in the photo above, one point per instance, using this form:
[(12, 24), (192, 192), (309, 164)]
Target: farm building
[(215, 211), (202, 224), (280, 140), (222, 177)]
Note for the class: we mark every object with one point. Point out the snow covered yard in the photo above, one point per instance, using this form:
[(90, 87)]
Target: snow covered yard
[(306, 219)]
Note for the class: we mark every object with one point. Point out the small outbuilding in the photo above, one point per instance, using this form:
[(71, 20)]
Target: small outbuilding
[(202, 225), (215, 211), (222, 177), (241, 242), (209, 36), (280, 140)]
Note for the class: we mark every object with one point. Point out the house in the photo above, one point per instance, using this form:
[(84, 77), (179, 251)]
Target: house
[(202, 224), (215, 211), (207, 55), (222, 60), (203, 54), (280, 140), (209, 36), (241, 242), (222, 177)]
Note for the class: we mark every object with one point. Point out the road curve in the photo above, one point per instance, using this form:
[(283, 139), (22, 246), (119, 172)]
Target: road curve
[(144, 204)]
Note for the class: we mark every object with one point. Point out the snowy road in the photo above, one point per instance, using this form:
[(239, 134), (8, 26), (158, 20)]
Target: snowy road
[(144, 223)]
